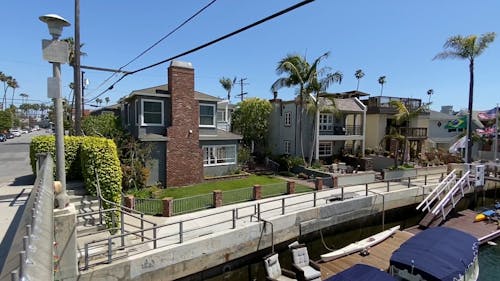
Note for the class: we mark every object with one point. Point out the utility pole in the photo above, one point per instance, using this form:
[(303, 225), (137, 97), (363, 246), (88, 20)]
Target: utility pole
[(242, 83), (76, 73)]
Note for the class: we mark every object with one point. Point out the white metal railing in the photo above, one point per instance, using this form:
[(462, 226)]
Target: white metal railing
[(435, 194), (450, 196)]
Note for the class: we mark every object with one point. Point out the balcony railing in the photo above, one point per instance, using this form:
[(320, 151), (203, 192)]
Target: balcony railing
[(348, 130), (410, 132)]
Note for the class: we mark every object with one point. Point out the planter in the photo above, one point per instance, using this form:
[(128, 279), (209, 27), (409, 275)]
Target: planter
[(399, 174)]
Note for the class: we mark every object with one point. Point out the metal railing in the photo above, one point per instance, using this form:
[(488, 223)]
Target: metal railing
[(439, 191), (179, 232), (149, 206), (35, 235), (450, 196), (237, 195), (193, 203)]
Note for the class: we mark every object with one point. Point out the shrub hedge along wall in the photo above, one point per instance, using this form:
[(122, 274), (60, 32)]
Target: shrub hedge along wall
[(83, 157)]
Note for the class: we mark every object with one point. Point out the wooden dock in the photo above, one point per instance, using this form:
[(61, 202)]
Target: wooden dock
[(379, 256), (484, 231)]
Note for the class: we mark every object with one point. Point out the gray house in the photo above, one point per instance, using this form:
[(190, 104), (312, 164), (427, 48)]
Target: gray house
[(335, 132), (183, 127)]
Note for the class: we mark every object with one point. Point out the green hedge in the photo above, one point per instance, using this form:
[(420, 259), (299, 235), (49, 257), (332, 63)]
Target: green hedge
[(82, 156)]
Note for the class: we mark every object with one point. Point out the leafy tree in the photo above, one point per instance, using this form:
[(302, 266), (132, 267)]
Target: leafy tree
[(467, 48), (359, 74), (251, 119), (405, 115), (298, 72), (381, 81), (227, 84), (5, 120)]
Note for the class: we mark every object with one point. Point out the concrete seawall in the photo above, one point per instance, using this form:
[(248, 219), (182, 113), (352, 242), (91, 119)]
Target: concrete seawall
[(173, 262)]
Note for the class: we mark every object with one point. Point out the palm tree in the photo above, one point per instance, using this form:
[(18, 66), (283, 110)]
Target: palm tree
[(24, 97), (227, 84), (298, 73), (98, 101), (4, 78), (467, 48), (430, 92), (404, 115), (14, 85), (317, 87), (359, 74), (106, 99), (381, 81)]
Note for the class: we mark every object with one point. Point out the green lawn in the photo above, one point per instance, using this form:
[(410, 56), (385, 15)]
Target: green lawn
[(208, 187)]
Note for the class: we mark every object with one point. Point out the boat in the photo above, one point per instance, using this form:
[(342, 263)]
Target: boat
[(360, 245), (362, 272), (437, 253)]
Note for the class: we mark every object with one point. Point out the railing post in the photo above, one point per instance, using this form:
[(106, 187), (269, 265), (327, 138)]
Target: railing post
[(290, 187), (86, 256), (181, 232), (409, 182), (234, 218), (257, 192), (315, 195), (318, 184), (130, 202), (366, 189), (217, 198), (342, 193), (154, 236), (388, 186), (282, 206), (100, 209), (142, 227), (122, 227), (22, 261), (258, 212), (14, 275), (110, 250)]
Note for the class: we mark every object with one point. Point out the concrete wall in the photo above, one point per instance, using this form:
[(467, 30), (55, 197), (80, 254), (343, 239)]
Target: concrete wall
[(174, 262)]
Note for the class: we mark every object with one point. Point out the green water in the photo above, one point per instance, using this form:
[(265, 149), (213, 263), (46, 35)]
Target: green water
[(489, 262)]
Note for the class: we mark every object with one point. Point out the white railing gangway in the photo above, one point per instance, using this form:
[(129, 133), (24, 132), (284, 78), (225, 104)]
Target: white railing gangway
[(437, 192), (450, 196)]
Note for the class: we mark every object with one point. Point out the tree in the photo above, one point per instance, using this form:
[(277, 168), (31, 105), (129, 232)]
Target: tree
[(318, 86), (4, 79), (98, 101), (298, 73), (404, 115), (251, 119), (14, 85), (106, 99), (227, 84), (430, 92), (359, 74), (467, 48), (5, 120), (381, 81)]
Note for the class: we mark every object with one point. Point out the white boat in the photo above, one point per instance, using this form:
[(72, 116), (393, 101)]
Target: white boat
[(360, 245)]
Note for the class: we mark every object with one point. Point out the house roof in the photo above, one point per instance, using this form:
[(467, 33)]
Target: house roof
[(162, 91), (346, 105), (346, 95), (221, 135)]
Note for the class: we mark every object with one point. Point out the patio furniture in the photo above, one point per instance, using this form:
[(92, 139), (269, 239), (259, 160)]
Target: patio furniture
[(274, 270), (304, 268)]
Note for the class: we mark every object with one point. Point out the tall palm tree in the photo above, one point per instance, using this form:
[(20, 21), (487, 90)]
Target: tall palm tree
[(430, 92), (98, 101), (318, 86), (359, 74), (227, 84), (14, 85), (4, 78), (467, 48), (298, 72), (404, 115), (381, 81), (106, 99)]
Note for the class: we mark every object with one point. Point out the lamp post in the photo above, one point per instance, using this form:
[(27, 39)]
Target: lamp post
[(57, 52)]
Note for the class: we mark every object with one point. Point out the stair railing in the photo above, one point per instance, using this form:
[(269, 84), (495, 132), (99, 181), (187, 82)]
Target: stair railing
[(437, 192), (459, 186)]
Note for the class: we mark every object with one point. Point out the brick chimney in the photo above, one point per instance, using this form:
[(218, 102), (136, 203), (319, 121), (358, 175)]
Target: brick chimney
[(184, 155)]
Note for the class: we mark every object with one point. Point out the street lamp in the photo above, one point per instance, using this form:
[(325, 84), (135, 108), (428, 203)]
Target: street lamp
[(57, 52)]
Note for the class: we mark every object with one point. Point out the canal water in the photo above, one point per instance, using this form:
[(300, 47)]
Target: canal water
[(251, 268)]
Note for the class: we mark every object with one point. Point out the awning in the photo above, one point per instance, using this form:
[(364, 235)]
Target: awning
[(362, 272)]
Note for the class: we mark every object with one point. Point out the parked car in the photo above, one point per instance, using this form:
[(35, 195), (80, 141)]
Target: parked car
[(3, 138), (16, 133), (9, 136)]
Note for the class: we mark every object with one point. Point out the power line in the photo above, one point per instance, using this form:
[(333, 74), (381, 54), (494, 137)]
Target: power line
[(156, 43), (282, 12)]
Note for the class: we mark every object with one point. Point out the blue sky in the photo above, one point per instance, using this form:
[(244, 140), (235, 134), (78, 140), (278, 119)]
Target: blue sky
[(397, 39)]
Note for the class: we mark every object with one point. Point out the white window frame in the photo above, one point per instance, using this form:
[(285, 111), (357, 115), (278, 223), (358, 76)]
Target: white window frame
[(136, 112), (322, 150), (223, 112), (287, 145), (211, 157), (326, 122), (214, 117), (142, 113), (288, 119)]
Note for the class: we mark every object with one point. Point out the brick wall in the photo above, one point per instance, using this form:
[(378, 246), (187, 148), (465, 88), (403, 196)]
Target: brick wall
[(184, 155)]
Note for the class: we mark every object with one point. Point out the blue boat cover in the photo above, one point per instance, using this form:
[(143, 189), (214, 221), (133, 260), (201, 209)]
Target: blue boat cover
[(438, 253), (362, 272)]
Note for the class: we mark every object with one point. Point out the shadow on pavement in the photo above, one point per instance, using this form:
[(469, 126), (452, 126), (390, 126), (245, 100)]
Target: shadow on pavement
[(9, 236), (23, 180)]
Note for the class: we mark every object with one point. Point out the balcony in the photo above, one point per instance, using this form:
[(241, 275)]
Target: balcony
[(382, 104), (348, 130), (411, 133)]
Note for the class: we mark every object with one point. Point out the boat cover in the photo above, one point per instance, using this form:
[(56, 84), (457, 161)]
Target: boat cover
[(362, 272), (438, 253)]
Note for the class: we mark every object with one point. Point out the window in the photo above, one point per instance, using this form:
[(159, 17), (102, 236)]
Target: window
[(288, 118), (325, 149), (207, 115), (214, 155), (326, 122), (221, 115), (286, 146), (152, 112)]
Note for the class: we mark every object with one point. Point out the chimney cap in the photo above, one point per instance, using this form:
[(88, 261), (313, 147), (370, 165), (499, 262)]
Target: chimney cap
[(182, 64)]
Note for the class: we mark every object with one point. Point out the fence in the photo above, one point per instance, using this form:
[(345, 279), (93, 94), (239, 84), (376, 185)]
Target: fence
[(31, 254), (193, 203)]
